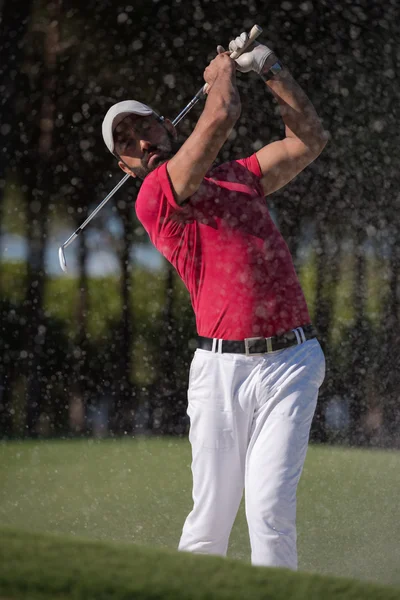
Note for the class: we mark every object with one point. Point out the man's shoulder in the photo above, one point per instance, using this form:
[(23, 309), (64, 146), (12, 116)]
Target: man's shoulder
[(156, 196), (152, 183), (152, 178), (148, 195)]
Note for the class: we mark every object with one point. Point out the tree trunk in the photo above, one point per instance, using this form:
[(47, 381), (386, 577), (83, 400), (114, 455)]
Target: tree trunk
[(79, 366), (394, 274), (289, 217), (328, 272), (166, 396), (37, 216), (390, 370), (13, 26), (124, 393), (360, 342)]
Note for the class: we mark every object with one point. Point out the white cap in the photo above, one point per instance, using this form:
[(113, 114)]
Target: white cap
[(117, 113)]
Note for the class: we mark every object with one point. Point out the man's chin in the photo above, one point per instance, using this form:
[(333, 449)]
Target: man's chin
[(157, 162), (142, 172)]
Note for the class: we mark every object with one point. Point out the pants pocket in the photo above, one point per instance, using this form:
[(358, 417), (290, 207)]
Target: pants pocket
[(212, 429)]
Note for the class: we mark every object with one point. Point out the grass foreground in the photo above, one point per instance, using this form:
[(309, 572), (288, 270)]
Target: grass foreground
[(138, 491), (42, 566)]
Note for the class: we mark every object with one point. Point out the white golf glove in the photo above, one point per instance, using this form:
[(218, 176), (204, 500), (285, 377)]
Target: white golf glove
[(252, 60)]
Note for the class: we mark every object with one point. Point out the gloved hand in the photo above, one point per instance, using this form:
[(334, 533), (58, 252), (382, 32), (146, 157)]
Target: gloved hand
[(252, 59)]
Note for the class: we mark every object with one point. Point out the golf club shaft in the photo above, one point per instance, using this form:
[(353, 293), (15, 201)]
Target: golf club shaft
[(184, 112), (96, 210), (254, 33)]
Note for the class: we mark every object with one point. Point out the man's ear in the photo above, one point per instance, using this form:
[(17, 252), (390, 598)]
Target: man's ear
[(169, 127), (125, 168)]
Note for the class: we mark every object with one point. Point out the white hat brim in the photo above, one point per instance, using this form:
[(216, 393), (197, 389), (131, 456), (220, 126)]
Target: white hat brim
[(117, 113)]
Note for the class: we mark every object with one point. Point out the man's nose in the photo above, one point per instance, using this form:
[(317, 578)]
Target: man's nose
[(145, 145)]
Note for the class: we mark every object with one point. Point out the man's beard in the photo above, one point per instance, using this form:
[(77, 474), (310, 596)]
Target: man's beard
[(164, 152)]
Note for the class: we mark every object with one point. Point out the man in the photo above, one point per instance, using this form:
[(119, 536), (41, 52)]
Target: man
[(254, 379)]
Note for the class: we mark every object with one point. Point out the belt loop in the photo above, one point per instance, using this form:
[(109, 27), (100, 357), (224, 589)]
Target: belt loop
[(219, 346), (303, 336), (269, 344), (214, 345), (298, 338)]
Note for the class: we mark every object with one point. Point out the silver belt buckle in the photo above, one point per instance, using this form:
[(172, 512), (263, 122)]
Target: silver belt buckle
[(247, 349)]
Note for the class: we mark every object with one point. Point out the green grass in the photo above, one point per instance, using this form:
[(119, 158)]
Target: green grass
[(42, 566), (140, 491)]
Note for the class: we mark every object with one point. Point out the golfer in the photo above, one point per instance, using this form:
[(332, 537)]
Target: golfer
[(254, 379)]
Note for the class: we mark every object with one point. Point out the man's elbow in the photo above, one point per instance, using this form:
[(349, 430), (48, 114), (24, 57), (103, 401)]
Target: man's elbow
[(318, 142), (227, 110)]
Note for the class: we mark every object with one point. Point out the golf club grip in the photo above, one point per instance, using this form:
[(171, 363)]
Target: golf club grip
[(254, 33)]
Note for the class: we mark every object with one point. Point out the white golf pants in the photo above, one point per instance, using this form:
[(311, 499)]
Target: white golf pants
[(250, 423)]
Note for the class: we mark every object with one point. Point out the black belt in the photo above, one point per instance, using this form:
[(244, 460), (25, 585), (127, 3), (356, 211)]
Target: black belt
[(259, 345)]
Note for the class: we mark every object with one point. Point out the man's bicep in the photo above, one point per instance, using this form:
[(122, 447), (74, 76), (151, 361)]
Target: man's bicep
[(281, 161)]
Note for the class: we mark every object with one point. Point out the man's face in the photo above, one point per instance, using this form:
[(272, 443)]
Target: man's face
[(143, 144)]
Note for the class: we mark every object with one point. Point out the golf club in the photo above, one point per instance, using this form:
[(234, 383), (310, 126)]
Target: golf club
[(254, 33)]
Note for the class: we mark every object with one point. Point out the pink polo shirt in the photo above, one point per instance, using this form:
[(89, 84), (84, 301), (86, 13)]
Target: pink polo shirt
[(227, 250)]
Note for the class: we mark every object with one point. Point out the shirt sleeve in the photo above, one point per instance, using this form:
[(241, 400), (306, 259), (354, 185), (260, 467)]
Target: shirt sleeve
[(246, 171), (251, 163), (156, 207)]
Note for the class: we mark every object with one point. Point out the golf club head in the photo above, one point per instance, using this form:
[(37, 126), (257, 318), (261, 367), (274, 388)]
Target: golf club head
[(61, 257)]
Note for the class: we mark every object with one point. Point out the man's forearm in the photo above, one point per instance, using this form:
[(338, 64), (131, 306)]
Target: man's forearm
[(298, 113), (223, 99), (190, 164)]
